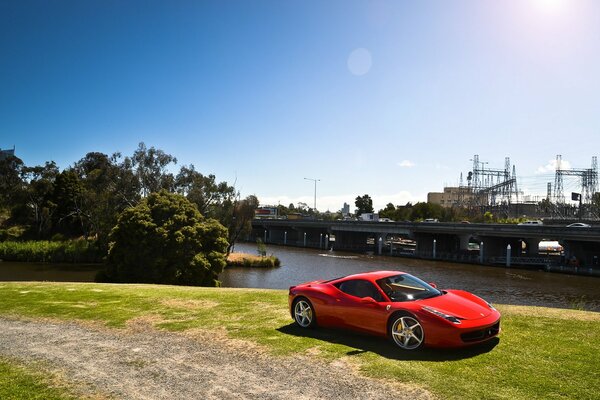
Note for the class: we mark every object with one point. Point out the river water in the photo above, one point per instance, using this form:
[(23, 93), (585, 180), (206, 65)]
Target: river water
[(495, 284)]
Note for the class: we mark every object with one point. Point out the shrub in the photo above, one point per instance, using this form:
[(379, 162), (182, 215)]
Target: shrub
[(252, 261), (165, 239)]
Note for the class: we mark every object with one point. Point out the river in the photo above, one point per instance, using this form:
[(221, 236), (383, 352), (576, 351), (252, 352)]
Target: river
[(495, 284)]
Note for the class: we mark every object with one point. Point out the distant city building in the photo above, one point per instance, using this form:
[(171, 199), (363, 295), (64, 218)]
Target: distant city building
[(346, 210), (451, 197), (4, 154)]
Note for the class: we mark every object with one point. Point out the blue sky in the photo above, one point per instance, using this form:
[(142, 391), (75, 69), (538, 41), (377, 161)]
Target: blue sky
[(391, 99)]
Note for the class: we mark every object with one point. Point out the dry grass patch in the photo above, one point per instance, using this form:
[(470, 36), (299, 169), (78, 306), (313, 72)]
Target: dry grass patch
[(144, 323), (555, 313), (189, 304)]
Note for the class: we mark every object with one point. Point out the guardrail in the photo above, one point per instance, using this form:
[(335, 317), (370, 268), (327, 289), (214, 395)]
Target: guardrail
[(541, 261)]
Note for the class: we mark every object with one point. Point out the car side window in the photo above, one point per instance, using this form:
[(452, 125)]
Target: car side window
[(360, 288)]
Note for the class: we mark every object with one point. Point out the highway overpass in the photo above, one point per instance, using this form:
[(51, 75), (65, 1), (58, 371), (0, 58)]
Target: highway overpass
[(434, 240)]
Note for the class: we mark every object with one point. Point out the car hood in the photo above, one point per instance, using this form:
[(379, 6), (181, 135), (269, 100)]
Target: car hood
[(460, 304)]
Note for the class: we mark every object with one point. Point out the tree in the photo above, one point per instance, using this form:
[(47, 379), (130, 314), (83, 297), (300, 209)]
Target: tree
[(66, 197), (36, 206), (388, 212), (11, 182), (427, 210), (364, 204), (150, 166), (164, 239), (204, 191), (240, 220), (108, 187)]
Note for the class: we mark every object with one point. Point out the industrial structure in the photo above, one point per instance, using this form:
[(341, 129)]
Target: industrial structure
[(496, 190)]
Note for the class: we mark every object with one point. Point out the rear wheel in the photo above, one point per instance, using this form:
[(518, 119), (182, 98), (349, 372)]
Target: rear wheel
[(406, 331), (304, 313)]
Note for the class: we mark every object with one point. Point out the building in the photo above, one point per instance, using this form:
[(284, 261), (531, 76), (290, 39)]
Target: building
[(451, 197), (4, 154), (346, 210)]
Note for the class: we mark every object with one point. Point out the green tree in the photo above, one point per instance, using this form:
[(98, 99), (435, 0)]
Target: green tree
[(204, 191), (364, 204), (108, 187), (388, 212), (488, 217), (67, 197), (427, 210), (150, 166), (239, 218), (36, 208), (11, 181), (164, 239)]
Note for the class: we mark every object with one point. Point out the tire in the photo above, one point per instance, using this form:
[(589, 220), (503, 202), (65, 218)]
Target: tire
[(406, 331), (304, 313)]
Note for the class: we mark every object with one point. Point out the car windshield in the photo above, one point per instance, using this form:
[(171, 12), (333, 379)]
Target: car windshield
[(405, 287)]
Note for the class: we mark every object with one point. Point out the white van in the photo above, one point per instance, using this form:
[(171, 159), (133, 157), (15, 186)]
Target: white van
[(535, 222)]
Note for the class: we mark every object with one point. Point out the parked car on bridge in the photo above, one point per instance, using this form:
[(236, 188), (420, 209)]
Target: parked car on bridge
[(404, 308), (431, 220)]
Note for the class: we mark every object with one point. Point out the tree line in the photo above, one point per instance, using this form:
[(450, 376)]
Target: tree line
[(86, 198)]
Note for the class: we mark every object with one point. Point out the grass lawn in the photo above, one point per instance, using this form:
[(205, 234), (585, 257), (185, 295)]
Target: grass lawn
[(17, 382), (542, 353)]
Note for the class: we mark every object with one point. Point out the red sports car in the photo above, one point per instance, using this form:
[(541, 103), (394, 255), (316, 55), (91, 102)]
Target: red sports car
[(398, 305)]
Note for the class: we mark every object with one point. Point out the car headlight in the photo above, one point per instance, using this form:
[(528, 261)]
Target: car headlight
[(490, 305), (447, 317)]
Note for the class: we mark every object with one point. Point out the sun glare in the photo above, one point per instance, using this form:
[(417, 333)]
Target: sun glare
[(550, 6)]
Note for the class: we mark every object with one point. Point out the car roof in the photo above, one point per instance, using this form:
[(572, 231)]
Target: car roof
[(372, 275)]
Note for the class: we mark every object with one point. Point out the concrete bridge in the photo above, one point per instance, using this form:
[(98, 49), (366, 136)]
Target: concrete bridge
[(449, 241)]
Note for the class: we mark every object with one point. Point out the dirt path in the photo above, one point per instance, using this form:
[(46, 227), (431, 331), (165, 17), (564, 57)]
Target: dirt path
[(150, 364)]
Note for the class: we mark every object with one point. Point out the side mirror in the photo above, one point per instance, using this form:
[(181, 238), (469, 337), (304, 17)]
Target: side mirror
[(368, 300), (433, 285)]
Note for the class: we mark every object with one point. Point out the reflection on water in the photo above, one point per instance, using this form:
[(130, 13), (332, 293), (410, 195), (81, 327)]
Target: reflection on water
[(496, 284), (21, 271)]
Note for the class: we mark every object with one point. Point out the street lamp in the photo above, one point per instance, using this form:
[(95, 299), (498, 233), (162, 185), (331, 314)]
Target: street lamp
[(315, 181)]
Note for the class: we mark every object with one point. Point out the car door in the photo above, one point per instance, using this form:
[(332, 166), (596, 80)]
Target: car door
[(357, 311)]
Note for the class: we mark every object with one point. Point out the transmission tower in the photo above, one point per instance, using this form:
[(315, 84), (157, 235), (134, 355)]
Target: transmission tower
[(589, 184), (492, 187)]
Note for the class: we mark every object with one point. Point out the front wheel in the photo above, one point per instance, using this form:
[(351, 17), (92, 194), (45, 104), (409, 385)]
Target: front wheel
[(304, 313), (407, 332)]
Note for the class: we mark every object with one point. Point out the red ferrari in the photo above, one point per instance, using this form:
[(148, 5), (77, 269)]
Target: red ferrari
[(397, 305)]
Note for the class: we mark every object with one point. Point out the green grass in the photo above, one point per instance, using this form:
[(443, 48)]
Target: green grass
[(18, 382), (542, 353), (70, 251)]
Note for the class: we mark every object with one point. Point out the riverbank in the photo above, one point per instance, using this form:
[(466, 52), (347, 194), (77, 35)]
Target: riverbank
[(542, 353)]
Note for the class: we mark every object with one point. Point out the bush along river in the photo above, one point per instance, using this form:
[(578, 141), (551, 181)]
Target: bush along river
[(496, 284)]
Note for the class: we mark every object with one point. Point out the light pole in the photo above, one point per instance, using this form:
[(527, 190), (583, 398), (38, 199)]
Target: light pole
[(315, 181)]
